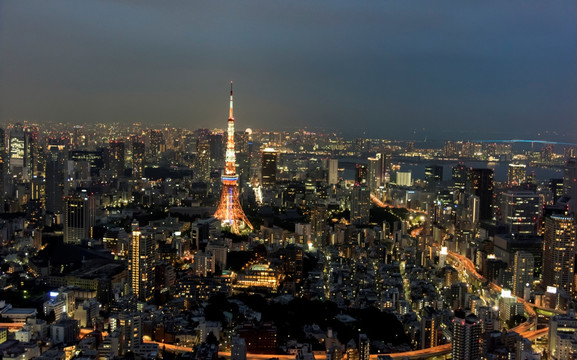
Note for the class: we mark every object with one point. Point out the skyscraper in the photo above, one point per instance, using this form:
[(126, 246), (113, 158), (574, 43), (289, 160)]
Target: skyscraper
[(203, 160), (55, 179), (434, 173), (141, 263), (466, 337), (570, 183), (137, 158), (115, 158), (382, 169), (460, 174), (2, 167), (156, 146), (372, 173), (360, 204), (361, 174), (523, 270), (18, 151), (521, 211), (269, 157), (333, 176), (78, 219), (559, 252), (229, 210), (481, 184), (517, 174)]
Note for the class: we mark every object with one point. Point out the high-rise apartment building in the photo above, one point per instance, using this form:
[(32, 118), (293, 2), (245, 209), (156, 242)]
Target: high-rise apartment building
[(523, 272), (360, 205), (559, 252), (141, 263), (467, 332)]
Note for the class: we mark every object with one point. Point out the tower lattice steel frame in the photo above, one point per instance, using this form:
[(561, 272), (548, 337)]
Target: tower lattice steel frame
[(229, 210)]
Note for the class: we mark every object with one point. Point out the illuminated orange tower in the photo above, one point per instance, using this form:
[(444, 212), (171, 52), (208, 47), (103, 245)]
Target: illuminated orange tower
[(229, 210)]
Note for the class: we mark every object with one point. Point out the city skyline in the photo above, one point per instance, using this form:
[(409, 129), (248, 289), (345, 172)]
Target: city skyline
[(392, 69)]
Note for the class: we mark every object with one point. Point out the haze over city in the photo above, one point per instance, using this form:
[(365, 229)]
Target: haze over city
[(393, 69)]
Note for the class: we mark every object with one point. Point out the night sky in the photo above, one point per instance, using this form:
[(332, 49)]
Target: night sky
[(482, 69)]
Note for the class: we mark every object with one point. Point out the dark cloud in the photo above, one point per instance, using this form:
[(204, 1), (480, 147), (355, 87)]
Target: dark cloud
[(466, 68)]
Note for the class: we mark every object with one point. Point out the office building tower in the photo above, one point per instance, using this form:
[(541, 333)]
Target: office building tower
[(141, 263), (509, 307), (19, 152), (466, 338), (434, 174), (404, 178), (556, 187), (78, 218), (523, 271), (319, 217), (570, 183), (3, 163), (333, 171), (55, 179), (203, 160), (372, 172), (361, 174), (561, 339), (157, 146), (517, 174), (460, 175), (481, 184), (382, 169), (218, 148), (94, 158), (243, 155), (229, 210), (360, 205), (559, 253), (138, 153), (268, 170), (521, 211), (115, 158)]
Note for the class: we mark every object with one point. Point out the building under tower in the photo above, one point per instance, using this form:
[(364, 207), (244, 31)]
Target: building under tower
[(229, 210)]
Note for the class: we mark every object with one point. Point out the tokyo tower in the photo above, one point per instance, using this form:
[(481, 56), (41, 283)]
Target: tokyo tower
[(229, 210)]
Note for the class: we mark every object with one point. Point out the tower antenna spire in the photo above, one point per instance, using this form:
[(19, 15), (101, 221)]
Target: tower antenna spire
[(230, 115)]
